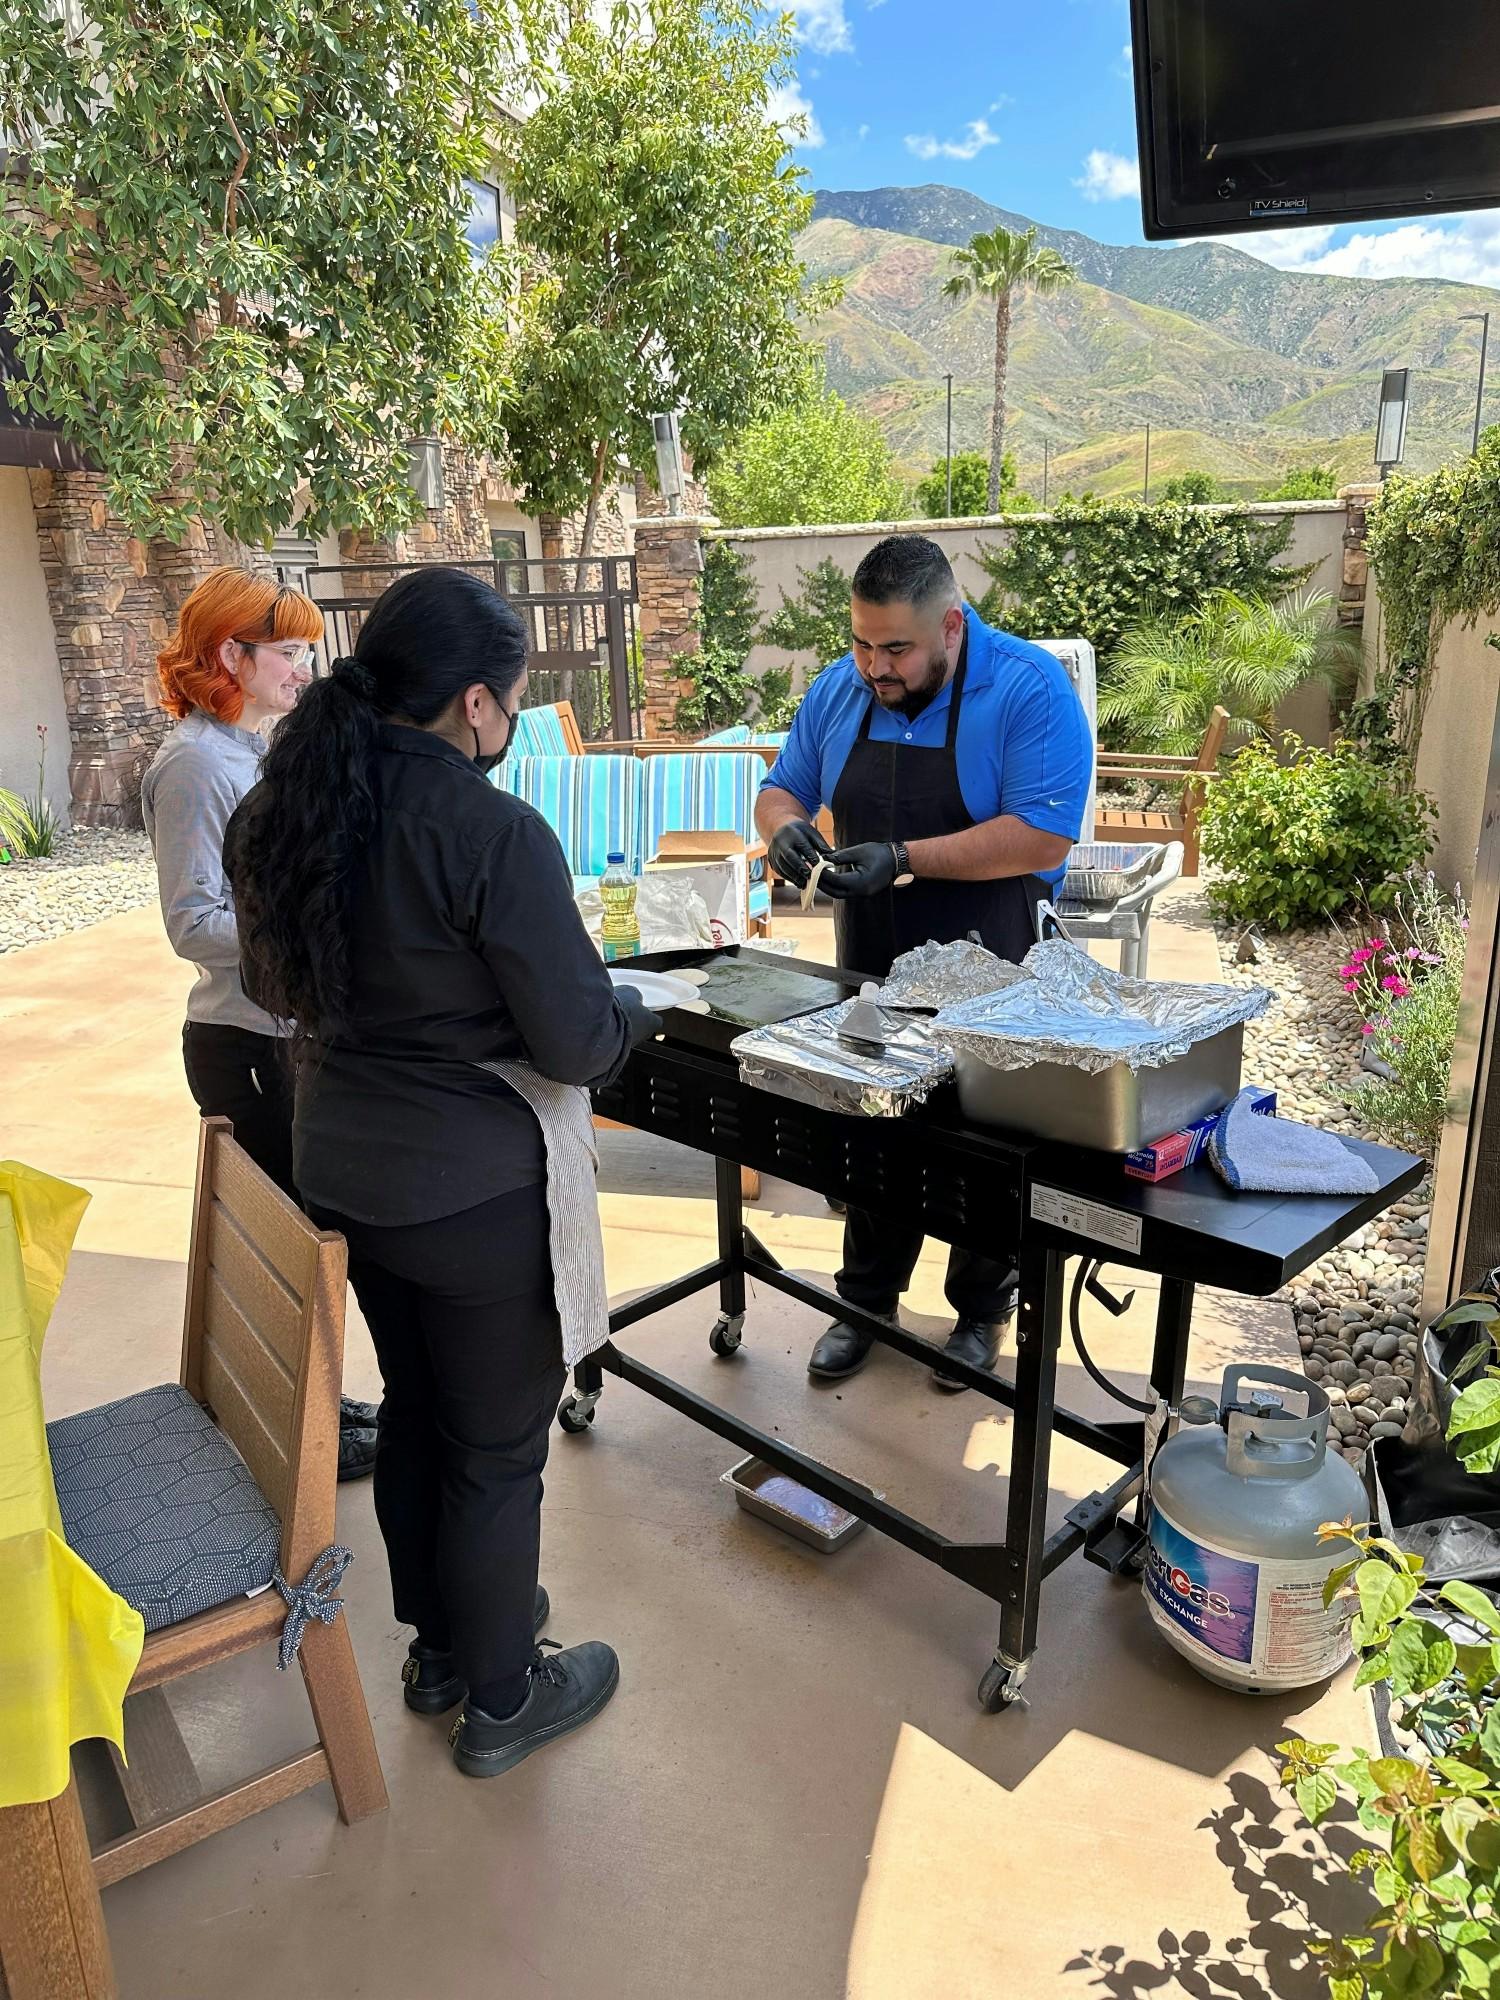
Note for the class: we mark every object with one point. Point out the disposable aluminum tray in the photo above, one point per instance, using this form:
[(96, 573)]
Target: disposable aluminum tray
[(1114, 1110), (1102, 871), (776, 1497)]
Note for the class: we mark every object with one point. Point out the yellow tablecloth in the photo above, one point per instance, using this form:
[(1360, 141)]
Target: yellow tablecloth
[(68, 1643)]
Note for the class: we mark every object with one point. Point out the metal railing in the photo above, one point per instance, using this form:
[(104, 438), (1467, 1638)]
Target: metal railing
[(580, 619)]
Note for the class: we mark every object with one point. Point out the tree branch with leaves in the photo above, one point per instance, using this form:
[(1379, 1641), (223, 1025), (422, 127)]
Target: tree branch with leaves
[(656, 211)]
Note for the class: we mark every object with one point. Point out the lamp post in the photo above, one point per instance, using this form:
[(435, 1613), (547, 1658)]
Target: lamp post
[(1484, 348), (949, 452)]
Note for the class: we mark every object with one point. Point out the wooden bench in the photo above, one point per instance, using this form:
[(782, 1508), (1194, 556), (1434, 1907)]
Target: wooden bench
[(1130, 823)]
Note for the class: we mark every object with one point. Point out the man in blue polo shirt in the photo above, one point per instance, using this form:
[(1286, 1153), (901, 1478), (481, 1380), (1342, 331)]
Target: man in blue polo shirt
[(956, 760)]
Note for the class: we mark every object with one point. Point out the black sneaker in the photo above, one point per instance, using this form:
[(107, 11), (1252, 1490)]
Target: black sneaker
[(565, 1690), (356, 1452), (433, 1686), (357, 1416)]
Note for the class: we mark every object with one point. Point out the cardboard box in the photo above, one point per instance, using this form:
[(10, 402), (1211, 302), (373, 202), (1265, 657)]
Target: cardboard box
[(720, 870), (1180, 1149)]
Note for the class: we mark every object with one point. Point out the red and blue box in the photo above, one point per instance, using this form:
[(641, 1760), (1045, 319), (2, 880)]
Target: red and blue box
[(1180, 1149)]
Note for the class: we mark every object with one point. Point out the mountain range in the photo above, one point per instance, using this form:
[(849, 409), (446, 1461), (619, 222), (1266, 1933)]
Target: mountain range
[(1241, 370)]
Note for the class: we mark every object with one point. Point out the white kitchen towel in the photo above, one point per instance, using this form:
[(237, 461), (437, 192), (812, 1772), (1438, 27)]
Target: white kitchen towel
[(1279, 1156), (566, 1117)]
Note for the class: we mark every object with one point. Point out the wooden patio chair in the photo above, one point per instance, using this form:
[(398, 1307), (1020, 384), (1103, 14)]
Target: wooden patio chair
[(262, 1351), (1130, 823)]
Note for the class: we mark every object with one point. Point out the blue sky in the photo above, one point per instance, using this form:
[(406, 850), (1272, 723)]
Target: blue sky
[(1029, 103)]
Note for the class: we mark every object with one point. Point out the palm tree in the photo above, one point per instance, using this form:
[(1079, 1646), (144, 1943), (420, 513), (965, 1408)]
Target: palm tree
[(996, 263), (1248, 653)]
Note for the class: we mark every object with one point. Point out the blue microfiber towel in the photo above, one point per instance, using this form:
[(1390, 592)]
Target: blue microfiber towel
[(1281, 1157)]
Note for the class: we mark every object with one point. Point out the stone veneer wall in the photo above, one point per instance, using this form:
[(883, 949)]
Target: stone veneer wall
[(669, 580)]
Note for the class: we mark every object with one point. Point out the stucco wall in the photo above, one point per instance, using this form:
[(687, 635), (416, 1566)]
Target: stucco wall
[(30, 684), (1453, 755), (775, 557)]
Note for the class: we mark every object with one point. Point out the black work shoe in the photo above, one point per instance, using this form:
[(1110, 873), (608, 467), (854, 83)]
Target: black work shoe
[(356, 1452), (432, 1683), (974, 1341), (565, 1690), (841, 1350), (357, 1416)]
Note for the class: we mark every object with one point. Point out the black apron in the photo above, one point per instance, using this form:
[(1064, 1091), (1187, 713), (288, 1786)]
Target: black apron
[(900, 791)]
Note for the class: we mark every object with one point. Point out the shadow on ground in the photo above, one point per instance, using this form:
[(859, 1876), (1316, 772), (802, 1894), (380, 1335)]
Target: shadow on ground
[(1294, 1886)]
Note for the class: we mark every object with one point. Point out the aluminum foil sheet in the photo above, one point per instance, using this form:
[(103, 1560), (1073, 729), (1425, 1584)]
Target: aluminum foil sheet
[(936, 975), (1068, 1009), (804, 1059)]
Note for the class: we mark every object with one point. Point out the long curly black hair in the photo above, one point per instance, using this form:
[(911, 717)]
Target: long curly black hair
[(294, 847)]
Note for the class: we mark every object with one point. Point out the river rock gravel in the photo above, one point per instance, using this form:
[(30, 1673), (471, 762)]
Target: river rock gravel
[(93, 875)]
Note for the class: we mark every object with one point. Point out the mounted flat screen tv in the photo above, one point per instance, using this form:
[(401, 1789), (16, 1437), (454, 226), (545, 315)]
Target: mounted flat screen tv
[(1268, 113)]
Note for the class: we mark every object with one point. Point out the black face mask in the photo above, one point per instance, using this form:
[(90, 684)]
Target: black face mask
[(491, 760)]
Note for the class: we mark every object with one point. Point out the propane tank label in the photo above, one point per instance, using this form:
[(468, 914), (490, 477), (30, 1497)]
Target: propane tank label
[(1266, 1618)]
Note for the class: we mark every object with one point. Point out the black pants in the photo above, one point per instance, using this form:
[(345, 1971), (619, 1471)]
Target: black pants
[(880, 1254), (245, 1077), (465, 1327)]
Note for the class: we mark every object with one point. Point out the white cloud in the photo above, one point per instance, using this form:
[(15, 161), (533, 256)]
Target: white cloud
[(1108, 177), (1464, 248), (977, 135), (864, 132), (1002, 101), (787, 108), (1126, 66), (824, 26)]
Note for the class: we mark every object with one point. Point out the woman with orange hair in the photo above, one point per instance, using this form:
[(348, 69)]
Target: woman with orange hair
[(241, 655)]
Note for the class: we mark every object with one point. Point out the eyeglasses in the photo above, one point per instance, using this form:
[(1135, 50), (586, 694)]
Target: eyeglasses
[(294, 652)]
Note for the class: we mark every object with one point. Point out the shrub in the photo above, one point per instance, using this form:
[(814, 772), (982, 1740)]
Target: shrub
[(1193, 489), (1405, 985), (817, 622), (1092, 568), (1308, 482), (971, 487), (730, 612), (722, 691), (1298, 841), (1435, 1870), (1170, 673)]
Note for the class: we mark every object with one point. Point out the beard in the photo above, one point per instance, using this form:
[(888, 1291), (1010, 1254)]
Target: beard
[(910, 701)]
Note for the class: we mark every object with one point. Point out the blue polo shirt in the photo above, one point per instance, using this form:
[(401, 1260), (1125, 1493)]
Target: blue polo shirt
[(1024, 746)]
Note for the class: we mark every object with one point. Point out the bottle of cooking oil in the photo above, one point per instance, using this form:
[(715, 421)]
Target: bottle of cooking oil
[(620, 932)]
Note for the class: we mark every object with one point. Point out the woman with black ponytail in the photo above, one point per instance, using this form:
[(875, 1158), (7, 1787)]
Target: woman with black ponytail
[(418, 926)]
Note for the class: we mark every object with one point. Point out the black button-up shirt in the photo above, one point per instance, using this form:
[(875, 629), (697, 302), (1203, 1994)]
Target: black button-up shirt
[(465, 946)]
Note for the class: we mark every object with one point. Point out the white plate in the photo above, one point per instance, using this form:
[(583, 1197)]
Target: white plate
[(657, 989)]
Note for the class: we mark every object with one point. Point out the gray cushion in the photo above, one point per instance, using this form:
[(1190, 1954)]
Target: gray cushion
[(157, 1500)]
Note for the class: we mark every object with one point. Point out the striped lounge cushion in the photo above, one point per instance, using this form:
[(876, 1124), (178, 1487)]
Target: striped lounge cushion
[(693, 794), (592, 804), (538, 733), (740, 733)]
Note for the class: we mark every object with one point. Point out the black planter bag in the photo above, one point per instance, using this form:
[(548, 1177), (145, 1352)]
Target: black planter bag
[(1419, 1491)]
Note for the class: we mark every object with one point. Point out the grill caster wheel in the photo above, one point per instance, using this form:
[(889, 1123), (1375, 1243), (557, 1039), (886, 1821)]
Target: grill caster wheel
[(1000, 1688), (725, 1338), (572, 1419)]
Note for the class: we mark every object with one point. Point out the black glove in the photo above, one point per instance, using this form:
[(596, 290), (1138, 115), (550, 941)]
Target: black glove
[(860, 871), (792, 850), (644, 1025)]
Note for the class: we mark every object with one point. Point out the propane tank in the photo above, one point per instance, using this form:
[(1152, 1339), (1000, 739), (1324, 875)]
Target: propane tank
[(1234, 1569)]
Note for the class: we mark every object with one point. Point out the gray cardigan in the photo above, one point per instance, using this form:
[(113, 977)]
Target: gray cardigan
[(195, 781)]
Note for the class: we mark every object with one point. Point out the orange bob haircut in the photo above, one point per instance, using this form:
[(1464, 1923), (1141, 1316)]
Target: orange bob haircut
[(229, 604)]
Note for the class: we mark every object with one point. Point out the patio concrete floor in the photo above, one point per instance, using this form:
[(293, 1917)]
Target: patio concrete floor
[(794, 1793)]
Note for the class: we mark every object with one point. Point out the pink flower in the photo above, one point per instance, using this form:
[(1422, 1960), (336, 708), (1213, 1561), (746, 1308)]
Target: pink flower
[(1394, 985), (1416, 951), (1368, 1028), (1363, 955)]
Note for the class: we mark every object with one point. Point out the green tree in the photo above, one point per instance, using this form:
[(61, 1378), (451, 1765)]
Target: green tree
[(1192, 489), (1245, 653), (656, 214), (813, 462), (971, 472), (237, 239), (1309, 482), (996, 264)]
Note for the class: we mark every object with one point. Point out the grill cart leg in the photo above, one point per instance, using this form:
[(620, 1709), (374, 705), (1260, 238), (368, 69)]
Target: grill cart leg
[(1039, 1320), (724, 1339)]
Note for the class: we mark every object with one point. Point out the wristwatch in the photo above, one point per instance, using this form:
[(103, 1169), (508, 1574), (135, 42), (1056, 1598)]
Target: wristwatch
[(904, 874)]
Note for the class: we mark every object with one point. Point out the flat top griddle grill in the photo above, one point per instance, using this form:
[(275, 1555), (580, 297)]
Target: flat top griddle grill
[(745, 989)]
